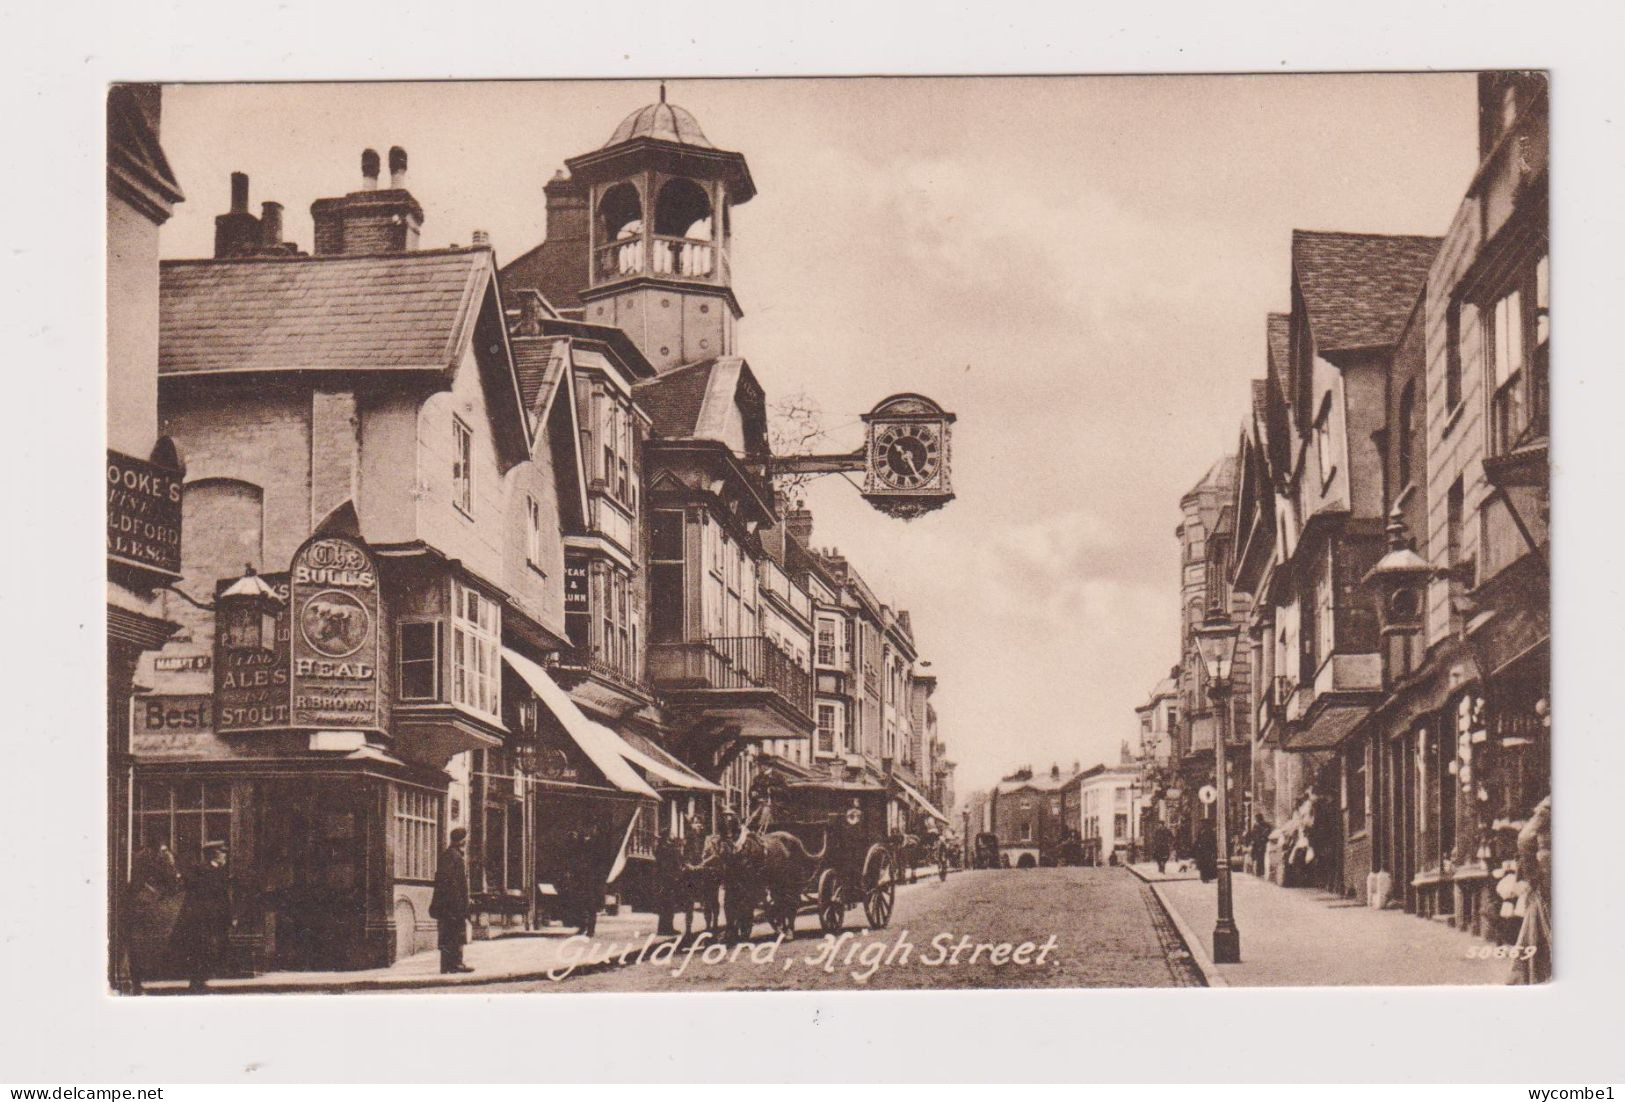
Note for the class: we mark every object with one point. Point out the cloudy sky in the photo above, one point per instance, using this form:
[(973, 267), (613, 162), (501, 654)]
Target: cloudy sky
[(1079, 268)]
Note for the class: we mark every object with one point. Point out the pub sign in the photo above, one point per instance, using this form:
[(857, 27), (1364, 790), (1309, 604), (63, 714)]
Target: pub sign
[(143, 514), (333, 629), (251, 682)]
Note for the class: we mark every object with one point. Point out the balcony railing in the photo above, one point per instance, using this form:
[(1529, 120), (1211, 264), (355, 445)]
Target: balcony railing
[(681, 256), (620, 258), (589, 661), (734, 662), (686, 258)]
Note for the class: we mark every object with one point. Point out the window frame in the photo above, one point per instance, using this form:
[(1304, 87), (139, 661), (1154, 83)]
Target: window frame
[(486, 640), (533, 533), (416, 835), (462, 466), (436, 659)]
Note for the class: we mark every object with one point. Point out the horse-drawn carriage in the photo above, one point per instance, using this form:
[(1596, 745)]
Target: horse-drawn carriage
[(841, 828)]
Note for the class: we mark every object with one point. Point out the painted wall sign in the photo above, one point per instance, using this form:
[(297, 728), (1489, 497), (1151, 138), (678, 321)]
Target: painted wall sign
[(576, 585), (180, 726), (143, 514), (334, 639), (251, 684)]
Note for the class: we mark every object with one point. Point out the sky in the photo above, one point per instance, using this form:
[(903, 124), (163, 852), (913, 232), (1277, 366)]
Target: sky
[(1079, 268)]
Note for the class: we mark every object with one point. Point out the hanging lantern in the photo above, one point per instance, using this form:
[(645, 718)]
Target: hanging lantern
[(246, 613)]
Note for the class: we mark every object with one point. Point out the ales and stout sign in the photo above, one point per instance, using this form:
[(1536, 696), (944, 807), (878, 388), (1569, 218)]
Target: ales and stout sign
[(322, 671), (251, 683)]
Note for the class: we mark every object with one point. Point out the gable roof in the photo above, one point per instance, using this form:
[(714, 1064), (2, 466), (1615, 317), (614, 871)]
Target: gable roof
[(1278, 338), (557, 269), (539, 363), (1358, 288), (704, 400), (395, 311)]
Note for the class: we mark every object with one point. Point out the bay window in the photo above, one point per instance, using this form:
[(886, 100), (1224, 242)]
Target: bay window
[(476, 652), (1516, 329)]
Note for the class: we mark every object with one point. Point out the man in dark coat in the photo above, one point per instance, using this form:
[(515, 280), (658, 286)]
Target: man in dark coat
[(205, 918), (1162, 846), (1207, 851), (1258, 841), (449, 904), (669, 881)]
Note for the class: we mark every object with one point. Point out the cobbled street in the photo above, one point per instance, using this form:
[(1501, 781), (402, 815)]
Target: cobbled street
[(1108, 932)]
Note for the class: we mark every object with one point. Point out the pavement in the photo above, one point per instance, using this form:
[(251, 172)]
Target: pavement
[(1304, 937), (531, 955)]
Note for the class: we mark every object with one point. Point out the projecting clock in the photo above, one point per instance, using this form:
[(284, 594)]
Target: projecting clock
[(908, 456)]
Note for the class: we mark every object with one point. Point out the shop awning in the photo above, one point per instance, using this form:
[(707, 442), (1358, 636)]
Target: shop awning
[(607, 750), (925, 804), (652, 759), (1328, 729)]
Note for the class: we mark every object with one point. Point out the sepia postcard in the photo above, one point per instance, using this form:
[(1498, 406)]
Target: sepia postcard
[(828, 534)]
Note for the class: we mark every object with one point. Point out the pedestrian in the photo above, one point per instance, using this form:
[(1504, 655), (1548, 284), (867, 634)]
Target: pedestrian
[(449, 904), (1532, 956), (1207, 851), (1162, 846), (204, 921), (668, 881), (154, 901), (1258, 840)]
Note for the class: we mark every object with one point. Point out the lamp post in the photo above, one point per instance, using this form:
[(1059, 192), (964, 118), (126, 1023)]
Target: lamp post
[(1216, 640)]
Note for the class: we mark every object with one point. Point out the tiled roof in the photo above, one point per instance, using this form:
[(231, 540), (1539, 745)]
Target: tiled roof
[(675, 400), (557, 269), (538, 361), (397, 311), (1260, 389), (1358, 287), (1278, 330), (1220, 476)]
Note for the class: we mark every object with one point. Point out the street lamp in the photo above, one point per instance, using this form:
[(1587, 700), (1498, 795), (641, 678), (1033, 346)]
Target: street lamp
[(1216, 640)]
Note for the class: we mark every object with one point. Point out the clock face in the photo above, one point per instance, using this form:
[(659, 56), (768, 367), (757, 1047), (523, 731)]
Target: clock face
[(908, 456)]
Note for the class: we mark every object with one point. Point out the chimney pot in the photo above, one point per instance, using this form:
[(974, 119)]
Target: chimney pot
[(482, 239), (239, 193), (369, 170), (397, 167), (270, 225)]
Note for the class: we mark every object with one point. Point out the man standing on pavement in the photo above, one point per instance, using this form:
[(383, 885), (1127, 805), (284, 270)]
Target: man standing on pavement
[(1162, 846), (449, 905), (204, 922), (1258, 840)]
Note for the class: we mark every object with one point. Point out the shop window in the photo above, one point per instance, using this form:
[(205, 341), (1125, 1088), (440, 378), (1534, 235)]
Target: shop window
[(476, 652), (1120, 826), (462, 466), (499, 843), (417, 833), (418, 659), (184, 816)]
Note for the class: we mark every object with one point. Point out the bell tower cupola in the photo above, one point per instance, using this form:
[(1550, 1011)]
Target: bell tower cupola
[(659, 197)]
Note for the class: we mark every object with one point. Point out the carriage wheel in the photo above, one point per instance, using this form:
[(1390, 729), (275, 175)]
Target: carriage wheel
[(831, 911), (879, 886)]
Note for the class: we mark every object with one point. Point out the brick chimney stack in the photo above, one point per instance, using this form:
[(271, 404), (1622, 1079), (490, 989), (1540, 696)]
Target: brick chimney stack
[(798, 523), (236, 233), (370, 220)]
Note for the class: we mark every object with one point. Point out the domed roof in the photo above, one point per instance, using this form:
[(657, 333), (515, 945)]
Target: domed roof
[(663, 121)]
